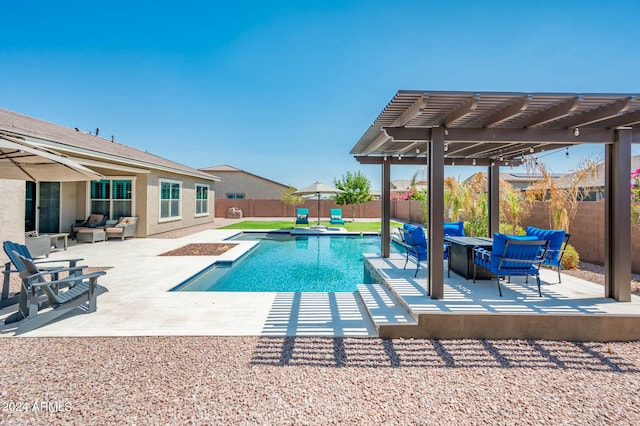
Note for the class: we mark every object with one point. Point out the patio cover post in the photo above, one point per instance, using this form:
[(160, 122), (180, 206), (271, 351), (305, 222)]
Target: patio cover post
[(617, 217), (494, 198), (436, 214), (385, 239)]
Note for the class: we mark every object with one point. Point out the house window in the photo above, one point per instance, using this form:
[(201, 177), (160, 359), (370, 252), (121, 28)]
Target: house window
[(170, 192), (235, 196), (112, 197), (202, 200)]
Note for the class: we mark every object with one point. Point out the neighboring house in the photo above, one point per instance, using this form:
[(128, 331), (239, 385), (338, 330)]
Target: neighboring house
[(238, 184), (595, 184), (164, 195), (522, 181)]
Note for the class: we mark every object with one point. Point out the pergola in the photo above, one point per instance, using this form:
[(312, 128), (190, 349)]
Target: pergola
[(494, 129)]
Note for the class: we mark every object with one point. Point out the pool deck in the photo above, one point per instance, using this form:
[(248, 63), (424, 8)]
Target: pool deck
[(138, 302)]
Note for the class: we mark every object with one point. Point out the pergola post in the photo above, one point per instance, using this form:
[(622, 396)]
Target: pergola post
[(436, 214), (385, 238), (617, 217), (494, 198)]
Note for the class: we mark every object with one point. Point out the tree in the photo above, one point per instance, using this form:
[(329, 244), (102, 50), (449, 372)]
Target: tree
[(514, 206), (357, 190), (289, 198), (453, 197)]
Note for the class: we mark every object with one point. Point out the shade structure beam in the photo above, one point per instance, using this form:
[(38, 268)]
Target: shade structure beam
[(594, 115), (618, 218), (436, 214)]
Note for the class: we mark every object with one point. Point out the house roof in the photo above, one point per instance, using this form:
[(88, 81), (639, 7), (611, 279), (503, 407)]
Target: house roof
[(221, 168), (485, 127), (84, 146)]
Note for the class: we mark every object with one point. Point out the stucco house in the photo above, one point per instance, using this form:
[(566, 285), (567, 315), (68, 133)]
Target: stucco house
[(239, 184), (164, 195)]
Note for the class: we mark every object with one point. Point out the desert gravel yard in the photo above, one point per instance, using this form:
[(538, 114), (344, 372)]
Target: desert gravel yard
[(295, 380)]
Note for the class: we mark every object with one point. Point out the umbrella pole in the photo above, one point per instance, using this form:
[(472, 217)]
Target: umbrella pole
[(318, 209)]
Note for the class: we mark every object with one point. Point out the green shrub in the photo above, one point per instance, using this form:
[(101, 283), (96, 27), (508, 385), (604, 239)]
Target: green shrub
[(571, 258)]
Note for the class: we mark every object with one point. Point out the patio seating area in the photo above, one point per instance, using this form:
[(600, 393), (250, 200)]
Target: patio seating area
[(398, 306)]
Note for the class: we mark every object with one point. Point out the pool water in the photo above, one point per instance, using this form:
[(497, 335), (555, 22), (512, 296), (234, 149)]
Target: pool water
[(286, 263)]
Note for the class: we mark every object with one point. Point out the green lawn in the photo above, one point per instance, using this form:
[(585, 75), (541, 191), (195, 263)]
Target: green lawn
[(288, 224)]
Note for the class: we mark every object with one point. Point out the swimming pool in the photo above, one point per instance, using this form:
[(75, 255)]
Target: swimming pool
[(285, 263)]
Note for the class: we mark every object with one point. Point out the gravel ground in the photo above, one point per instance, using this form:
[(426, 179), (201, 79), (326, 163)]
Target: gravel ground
[(252, 380)]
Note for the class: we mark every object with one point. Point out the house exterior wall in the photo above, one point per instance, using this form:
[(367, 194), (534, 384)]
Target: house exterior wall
[(251, 186), (11, 213), (187, 202), (68, 209)]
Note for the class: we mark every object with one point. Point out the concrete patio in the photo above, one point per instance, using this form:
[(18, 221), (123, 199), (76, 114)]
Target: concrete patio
[(139, 303)]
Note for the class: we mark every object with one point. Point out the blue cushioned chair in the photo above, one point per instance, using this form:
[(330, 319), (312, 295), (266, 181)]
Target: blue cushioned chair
[(335, 216), (302, 216), (452, 229), (415, 243), (512, 255), (558, 240)]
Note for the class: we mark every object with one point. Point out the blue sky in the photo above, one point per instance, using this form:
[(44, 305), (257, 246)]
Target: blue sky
[(284, 89)]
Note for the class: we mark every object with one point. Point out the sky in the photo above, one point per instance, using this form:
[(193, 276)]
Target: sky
[(285, 89)]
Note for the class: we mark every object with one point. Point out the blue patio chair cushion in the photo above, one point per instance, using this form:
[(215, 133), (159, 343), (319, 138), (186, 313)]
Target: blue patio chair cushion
[(516, 252), (555, 237), (416, 241), (454, 229)]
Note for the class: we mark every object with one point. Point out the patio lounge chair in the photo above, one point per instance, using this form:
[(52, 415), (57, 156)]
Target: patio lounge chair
[(12, 250), (336, 217), (93, 221), (85, 290), (302, 216), (512, 255), (126, 227), (39, 245), (558, 240)]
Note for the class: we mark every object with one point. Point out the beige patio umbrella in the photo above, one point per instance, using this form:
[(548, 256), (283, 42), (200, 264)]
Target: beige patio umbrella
[(20, 160), (317, 189)]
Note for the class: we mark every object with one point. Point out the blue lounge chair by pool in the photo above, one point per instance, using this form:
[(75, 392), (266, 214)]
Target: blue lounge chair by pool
[(336, 217), (558, 240), (512, 255), (302, 216)]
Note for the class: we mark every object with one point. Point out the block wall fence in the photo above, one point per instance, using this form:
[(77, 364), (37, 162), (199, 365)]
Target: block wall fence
[(587, 228)]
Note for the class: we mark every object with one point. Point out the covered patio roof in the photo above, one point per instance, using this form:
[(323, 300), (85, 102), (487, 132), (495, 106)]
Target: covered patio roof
[(494, 129), (493, 126)]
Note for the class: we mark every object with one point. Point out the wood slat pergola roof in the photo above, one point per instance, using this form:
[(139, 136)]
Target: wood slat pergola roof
[(485, 127)]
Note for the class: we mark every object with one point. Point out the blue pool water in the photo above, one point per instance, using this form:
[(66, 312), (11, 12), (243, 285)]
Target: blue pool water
[(284, 263)]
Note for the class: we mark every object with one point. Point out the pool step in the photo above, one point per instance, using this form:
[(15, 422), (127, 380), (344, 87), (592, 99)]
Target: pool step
[(386, 312)]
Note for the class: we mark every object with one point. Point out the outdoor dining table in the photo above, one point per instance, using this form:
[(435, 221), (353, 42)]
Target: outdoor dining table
[(461, 256)]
